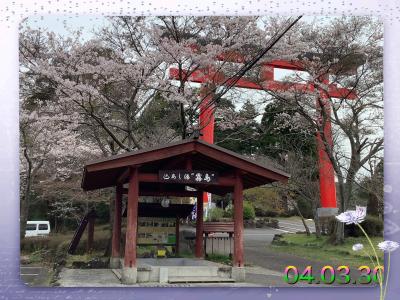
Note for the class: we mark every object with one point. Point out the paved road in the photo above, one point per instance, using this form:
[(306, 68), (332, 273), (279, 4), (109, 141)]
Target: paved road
[(294, 225), (272, 263), (257, 240), (257, 252), (34, 275)]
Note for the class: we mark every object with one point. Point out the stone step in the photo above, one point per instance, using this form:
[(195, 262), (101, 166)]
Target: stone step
[(183, 271), (198, 279), (117, 273)]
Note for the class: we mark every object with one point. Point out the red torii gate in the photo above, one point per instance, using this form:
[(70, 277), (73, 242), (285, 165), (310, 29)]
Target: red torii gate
[(267, 82)]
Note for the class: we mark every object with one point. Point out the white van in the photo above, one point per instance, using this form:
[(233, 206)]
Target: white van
[(37, 228)]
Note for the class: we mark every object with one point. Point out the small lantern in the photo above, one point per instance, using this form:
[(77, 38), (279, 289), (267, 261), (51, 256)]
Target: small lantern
[(165, 202)]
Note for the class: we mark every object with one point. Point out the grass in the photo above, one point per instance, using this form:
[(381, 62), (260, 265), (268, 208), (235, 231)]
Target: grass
[(38, 256), (321, 250), (70, 259), (219, 258), (186, 254), (291, 218), (52, 241)]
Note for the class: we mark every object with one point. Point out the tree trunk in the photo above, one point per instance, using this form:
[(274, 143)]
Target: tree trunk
[(301, 217), (339, 232), (345, 192), (24, 205), (23, 217), (183, 121), (317, 225), (373, 204)]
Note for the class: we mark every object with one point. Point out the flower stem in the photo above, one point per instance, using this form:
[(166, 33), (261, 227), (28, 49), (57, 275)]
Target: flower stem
[(387, 276), (377, 261), (370, 258)]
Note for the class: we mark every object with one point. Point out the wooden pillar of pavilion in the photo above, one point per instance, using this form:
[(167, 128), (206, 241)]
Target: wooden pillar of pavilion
[(177, 235), (116, 233), (238, 260), (129, 273), (199, 226)]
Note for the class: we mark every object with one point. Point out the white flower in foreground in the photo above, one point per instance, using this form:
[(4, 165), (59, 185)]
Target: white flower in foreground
[(388, 246), (353, 216), (358, 247)]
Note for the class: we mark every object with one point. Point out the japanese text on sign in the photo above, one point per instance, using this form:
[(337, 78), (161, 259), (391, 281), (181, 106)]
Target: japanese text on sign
[(185, 176)]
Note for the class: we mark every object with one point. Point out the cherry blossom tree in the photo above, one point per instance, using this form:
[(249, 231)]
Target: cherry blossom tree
[(50, 150), (86, 98), (109, 80), (348, 53)]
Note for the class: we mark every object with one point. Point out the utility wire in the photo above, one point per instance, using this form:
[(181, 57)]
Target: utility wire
[(231, 81)]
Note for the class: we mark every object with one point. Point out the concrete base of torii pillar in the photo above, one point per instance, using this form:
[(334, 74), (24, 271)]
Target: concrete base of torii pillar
[(325, 212)]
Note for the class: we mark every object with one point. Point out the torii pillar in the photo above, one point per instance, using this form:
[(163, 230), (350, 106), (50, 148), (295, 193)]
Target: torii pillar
[(327, 186), (206, 119)]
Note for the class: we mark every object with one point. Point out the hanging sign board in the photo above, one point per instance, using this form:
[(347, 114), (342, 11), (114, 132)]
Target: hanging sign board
[(185, 176)]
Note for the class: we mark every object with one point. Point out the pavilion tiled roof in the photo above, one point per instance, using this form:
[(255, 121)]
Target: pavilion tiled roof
[(103, 173)]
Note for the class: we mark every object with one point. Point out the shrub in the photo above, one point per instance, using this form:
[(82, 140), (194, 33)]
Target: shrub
[(53, 241), (373, 226), (305, 207), (263, 212), (215, 214), (102, 212), (266, 201), (248, 211), (287, 214), (228, 212)]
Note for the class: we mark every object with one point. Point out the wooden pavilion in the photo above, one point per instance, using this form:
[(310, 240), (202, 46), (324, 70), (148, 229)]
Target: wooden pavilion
[(183, 169)]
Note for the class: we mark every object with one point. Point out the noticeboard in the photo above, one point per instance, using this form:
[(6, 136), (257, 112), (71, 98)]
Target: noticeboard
[(156, 231)]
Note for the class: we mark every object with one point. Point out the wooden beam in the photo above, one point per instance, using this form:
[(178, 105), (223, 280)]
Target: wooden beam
[(132, 216), (116, 233), (175, 163), (153, 177), (226, 181), (238, 260), (189, 164), (125, 175), (149, 177), (165, 193), (169, 193)]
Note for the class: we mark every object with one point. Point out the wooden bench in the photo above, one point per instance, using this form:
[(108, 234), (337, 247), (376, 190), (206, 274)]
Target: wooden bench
[(217, 227), (211, 227)]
